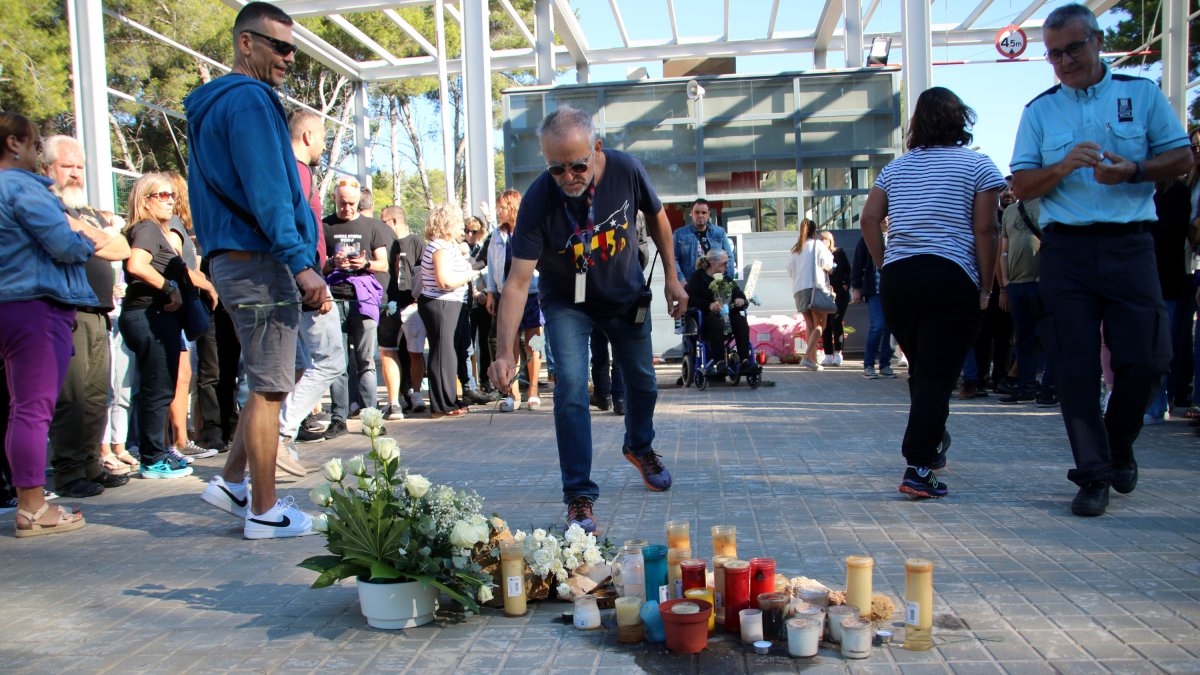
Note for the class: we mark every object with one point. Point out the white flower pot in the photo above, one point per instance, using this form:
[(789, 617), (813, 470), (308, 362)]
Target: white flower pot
[(393, 605)]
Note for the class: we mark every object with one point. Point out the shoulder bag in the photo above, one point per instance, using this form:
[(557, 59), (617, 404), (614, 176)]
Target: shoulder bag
[(822, 299)]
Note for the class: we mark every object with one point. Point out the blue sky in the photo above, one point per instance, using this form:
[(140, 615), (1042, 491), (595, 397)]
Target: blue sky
[(997, 91)]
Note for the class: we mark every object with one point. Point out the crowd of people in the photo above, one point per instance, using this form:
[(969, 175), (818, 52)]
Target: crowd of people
[(230, 299)]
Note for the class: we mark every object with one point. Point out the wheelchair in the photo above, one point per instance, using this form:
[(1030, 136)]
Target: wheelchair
[(700, 369)]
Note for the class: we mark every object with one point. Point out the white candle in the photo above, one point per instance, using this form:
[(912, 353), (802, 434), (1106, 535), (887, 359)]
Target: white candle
[(803, 637), (752, 625), (856, 638)]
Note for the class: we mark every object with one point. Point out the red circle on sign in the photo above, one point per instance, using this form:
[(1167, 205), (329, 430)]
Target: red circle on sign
[(1011, 42)]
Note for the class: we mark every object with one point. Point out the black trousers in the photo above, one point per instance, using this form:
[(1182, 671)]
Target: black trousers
[(834, 337), (462, 345), (441, 323), (229, 357), (206, 409), (932, 307), (481, 329), (82, 408), (154, 336), (1088, 281), (993, 347)]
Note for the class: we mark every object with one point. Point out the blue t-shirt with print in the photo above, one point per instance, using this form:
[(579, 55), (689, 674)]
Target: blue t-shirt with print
[(552, 229)]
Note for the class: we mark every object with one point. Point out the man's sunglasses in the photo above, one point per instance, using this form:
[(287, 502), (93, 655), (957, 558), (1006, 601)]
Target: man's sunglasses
[(280, 47), (579, 166), (1073, 50)]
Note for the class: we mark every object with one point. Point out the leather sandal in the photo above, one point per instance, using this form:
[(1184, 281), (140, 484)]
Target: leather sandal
[(111, 464), (34, 527), (129, 459)]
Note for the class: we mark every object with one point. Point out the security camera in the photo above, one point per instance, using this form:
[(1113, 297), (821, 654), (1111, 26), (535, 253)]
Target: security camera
[(694, 90)]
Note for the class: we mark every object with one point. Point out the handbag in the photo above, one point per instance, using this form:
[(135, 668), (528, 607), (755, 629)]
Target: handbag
[(822, 300), (193, 315)]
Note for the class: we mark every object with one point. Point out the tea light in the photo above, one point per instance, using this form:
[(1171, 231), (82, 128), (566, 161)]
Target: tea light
[(751, 623), (856, 638), (762, 647), (803, 637), (837, 614), (629, 620), (883, 637), (685, 608)]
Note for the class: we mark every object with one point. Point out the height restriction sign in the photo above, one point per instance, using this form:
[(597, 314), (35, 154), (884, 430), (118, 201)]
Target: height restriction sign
[(1011, 42)]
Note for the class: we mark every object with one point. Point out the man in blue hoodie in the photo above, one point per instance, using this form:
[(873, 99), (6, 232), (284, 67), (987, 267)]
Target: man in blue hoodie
[(257, 229)]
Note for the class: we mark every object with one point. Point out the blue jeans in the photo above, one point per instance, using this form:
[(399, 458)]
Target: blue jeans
[(879, 338), (569, 331), (1024, 304), (607, 381)]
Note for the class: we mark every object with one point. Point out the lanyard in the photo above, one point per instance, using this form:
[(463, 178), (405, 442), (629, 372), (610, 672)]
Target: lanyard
[(582, 240)]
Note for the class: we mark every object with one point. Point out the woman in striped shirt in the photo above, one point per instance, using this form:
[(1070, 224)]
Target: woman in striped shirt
[(940, 199)]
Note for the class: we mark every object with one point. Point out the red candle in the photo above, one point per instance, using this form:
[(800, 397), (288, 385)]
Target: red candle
[(762, 579), (693, 572), (737, 593)]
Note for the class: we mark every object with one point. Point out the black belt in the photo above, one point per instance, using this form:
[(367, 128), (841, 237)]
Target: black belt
[(1101, 229), (102, 311)]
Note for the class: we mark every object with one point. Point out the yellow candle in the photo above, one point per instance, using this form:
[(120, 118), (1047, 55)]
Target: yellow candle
[(703, 594), (724, 540), (629, 621), (512, 577), (719, 587), (858, 583), (674, 572), (918, 597), (678, 534)]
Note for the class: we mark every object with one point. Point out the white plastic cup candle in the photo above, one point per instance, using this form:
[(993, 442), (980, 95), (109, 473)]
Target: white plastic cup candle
[(752, 625), (837, 614), (803, 637), (629, 621), (856, 638)]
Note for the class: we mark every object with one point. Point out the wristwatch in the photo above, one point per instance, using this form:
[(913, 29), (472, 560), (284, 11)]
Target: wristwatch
[(1139, 172), (170, 287)]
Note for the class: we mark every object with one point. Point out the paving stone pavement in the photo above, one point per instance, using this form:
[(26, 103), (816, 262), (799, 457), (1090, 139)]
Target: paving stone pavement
[(807, 470)]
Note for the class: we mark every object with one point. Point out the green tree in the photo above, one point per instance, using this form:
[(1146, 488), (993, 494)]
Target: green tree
[(1143, 21), (35, 60)]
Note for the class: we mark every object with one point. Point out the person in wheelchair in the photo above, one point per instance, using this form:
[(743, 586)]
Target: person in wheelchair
[(703, 300)]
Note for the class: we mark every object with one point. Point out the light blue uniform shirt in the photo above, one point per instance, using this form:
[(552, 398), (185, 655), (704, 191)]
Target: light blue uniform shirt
[(1127, 116)]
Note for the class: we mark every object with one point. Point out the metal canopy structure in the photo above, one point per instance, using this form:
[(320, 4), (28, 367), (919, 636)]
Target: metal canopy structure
[(831, 26)]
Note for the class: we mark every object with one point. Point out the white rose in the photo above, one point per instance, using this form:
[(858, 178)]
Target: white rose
[(485, 593), (371, 418), (539, 534), (320, 495), (564, 591), (519, 536), (387, 449), (571, 562), (718, 276), (544, 557), (356, 466), (592, 557), (417, 485), (536, 343), (463, 535), (333, 470), (321, 522)]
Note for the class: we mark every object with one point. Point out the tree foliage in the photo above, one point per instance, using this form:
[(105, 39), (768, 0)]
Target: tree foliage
[(35, 59), (1143, 21)]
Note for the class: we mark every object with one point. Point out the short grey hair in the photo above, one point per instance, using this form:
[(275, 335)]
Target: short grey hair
[(1064, 15), (50, 148), (711, 257), (563, 120)]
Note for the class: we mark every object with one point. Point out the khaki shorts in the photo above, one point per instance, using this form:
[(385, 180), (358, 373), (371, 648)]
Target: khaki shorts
[(414, 329), (267, 334)]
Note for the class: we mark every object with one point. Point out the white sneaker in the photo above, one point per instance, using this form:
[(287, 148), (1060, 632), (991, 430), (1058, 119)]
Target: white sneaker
[(284, 519), (418, 403), (232, 500), (903, 362), (508, 404), (837, 359), (829, 360), (393, 411)]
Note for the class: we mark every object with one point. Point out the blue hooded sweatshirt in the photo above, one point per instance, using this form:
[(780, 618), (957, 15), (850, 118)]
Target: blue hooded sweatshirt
[(239, 140)]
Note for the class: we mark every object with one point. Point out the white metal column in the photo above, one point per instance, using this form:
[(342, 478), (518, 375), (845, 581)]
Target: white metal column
[(918, 51), (477, 95), (1175, 55), (439, 13), (854, 34), (90, 75), (543, 23), (362, 134)]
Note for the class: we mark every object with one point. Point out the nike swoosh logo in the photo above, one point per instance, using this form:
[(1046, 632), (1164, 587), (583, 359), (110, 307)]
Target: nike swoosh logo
[(240, 502), (283, 523)]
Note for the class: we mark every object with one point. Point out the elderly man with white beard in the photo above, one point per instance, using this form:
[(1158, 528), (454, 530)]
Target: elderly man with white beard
[(81, 411)]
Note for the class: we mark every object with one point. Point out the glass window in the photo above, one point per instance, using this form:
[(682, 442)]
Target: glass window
[(646, 104), (748, 97)]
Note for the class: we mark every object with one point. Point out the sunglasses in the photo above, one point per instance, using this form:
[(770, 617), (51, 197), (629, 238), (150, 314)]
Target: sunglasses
[(163, 196), (347, 182), (280, 47), (1073, 50), (580, 166), (473, 231)]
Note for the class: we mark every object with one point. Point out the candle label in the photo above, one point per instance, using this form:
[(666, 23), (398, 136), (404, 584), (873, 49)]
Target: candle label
[(912, 614), (664, 593), (678, 588), (516, 586)]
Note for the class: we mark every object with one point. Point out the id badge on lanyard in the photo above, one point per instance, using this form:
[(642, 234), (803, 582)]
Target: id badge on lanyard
[(583, 240)]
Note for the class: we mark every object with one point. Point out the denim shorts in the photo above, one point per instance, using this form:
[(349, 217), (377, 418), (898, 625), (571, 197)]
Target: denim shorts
[(267, 334)]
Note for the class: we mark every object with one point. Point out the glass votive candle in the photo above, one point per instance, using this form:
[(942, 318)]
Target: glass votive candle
[(707, 595), (719, 587), (856, 638), (512, 573), (803, 637), (813, 595), (679, 534), (587, 613), (629, 621), (773, 607), (675, 557), (751, 624), (724, 540), (762, 578), (655, 560), (640, 543), (804, 610), (693, 573), (858, 582), (837, 614)]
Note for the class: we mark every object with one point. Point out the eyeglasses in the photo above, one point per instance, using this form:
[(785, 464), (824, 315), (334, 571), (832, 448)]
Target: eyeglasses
[(579, 166), (1073, 50), (163, 196), (280, 47)]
